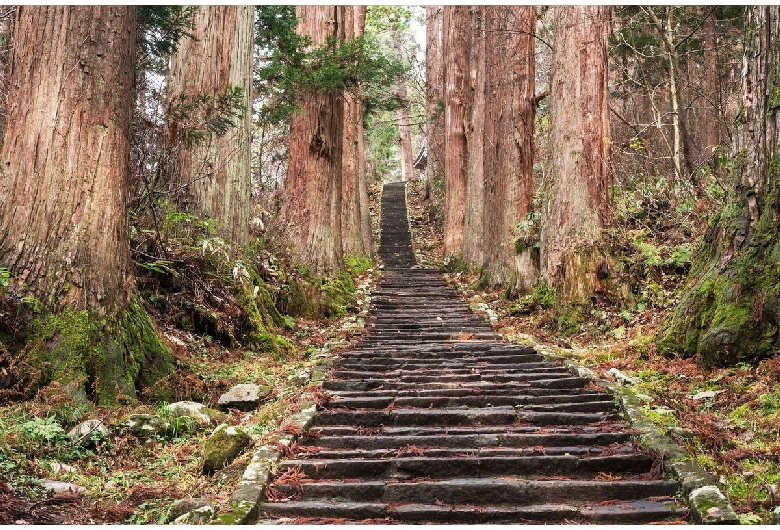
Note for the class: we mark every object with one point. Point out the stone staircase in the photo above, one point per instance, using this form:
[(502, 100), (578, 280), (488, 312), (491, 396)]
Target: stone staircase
[(433, 419)]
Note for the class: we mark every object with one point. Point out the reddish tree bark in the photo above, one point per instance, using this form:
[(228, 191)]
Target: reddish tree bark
[(434, 93), (212, 178), (312, 224), (356, 222), (474, 214), (508, 142), (455, 43), (577, 206), (63, 200)]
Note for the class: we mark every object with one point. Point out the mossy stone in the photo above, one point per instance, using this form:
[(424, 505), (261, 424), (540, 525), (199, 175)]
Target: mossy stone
[(222, 447), (200, 413)]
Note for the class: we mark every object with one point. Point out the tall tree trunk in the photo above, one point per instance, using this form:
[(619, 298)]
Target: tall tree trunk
[(309, 227), (730, 311), (474, 215), (212, 176), (508, 149), (711, 123), (456, 40), (576, 205), (355, 223), (6, 32), (63, 201), (434, 93), (404, 130)]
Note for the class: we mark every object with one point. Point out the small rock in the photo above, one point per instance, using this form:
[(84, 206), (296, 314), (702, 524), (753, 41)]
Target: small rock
[(708, 394), (776, 515), (201, 515), (59, 467), (199, 412), (62, 487), (224, 444), (300, 377), (182, 506), (146, 425), (684, 434), (621, 378), (86, 431), (243, 397)]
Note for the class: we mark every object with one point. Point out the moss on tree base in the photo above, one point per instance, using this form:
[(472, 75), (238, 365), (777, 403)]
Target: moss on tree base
[(106, 360), (729, 315)]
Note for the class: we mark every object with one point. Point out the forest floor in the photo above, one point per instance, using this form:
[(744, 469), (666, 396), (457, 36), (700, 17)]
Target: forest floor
[(729, 419)]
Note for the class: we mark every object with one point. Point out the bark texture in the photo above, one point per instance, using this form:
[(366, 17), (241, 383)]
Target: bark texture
[(63, 193), (474, 214), (576, 205), (356, 223), (508, 145), (730, 311), (456, 41), (319, 222), (211, 178), (434, 93)]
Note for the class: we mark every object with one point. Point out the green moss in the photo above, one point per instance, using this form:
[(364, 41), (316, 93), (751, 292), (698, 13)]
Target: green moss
[(338, 295), (103, 359), (740, 119), (357, 264)]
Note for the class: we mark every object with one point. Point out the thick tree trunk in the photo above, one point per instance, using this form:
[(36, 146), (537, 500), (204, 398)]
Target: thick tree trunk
[(355, 223), (434, 93), (211, 178), (405, 142), (474, 215), (63, 200), (730, 311), (508, 148), (404, 130), (711, 123), (456, 40), (576, 205), (310, 229)]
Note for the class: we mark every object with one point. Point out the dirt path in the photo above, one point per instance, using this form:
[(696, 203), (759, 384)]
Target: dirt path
[(433, 418)]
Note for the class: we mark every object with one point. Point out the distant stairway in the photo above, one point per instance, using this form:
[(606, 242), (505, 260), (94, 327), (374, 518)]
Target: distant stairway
[(433, 419)]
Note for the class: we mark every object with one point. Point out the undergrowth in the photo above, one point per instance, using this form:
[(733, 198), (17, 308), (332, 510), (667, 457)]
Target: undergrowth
[(197, 290)]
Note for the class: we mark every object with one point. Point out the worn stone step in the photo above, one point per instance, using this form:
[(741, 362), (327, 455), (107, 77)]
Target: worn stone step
[(541, 381), (448, 376), (585, 403), (555, 395), (319, 452), (343, 372), (434, 356), (476, 416), (406, 467), (333, 513), (485, 491), (348, 438)]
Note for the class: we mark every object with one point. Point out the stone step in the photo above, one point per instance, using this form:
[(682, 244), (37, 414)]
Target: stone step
[(475, 416), (407, 467), (316, 452), (351, 438), (450, 375), (583, 403), (334, 513), (540, 382), (485, 491)]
